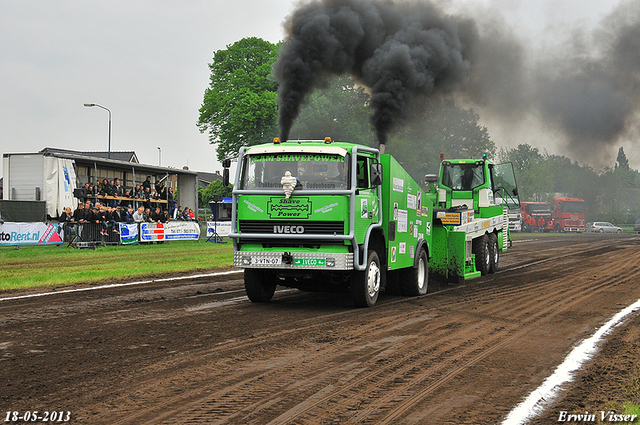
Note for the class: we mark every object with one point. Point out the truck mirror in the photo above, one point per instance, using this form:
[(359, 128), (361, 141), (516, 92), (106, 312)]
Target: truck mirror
[(430, 178), (226, 163), (515, 191), (225, 176), (376, 174)]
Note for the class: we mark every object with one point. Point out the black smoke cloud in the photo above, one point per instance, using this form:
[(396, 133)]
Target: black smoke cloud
[(586, 87), (402, 51), (593, 96)]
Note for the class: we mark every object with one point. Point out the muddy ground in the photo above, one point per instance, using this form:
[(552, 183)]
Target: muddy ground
[(197, 351)]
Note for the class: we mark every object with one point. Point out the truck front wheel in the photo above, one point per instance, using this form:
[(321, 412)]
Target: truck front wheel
[(365, 285), (259, 284), (414, 280), (483, 256)]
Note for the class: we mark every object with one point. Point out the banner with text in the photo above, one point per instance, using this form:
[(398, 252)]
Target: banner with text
[(222, 228), (29, 234), (171, 231)]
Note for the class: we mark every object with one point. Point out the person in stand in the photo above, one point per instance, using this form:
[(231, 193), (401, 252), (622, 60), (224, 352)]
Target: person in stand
[(185, 214), (156, 216), (146, 195), (160, 189), (138, 216), (147, 184), (171, 204), (129, 216), (118, 215), (117, 191), (64, 221), (192, 215), (66, 215)]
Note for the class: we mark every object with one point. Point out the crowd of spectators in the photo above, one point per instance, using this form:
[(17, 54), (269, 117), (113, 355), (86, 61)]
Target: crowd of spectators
[(113, 193), (109, 203)]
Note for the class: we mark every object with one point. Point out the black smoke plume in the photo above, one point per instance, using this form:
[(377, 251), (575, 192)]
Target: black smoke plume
[(401, 51)]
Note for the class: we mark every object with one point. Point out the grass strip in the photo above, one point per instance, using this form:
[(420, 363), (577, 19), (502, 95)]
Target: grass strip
[(39, 266)]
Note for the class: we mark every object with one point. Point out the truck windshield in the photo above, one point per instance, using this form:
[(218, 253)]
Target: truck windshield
[(573, 207), (312, 171), (541, 208), (462, 176)]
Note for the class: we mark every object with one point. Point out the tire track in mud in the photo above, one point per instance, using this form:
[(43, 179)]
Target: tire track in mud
[(391, 374)]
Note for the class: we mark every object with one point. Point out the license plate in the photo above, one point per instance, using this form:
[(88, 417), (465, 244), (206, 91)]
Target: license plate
[(308, 262), (266, 261)]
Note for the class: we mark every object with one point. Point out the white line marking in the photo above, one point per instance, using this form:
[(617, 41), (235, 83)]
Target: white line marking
[(119, 285), (545, 393)]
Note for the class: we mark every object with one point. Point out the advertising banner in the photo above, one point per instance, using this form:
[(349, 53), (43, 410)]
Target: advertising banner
[(128, 234), (29, 234), (171, 231), (222, 228), (181, 230)]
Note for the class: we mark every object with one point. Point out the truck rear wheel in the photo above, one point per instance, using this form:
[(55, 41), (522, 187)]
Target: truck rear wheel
[(259, 284), (414, 280), (483, 256), (494, 251), (365, 285)]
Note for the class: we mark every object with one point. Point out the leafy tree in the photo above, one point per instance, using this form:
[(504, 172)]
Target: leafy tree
[(239, 106), (214, 188), (442, 127)]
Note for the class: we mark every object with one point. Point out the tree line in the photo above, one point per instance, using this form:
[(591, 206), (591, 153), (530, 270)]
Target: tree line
[(239, 109)]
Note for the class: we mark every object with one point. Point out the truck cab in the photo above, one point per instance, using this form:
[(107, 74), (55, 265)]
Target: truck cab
[(328, 215), (471, 216)]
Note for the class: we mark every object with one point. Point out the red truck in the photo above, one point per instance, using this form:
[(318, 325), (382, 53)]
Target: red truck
[(536, 216), (568, 214)]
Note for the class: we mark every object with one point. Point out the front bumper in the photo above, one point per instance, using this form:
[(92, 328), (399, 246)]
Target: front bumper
[(325, 261)]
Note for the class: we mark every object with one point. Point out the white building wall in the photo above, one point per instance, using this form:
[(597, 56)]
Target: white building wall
[(23, 177)]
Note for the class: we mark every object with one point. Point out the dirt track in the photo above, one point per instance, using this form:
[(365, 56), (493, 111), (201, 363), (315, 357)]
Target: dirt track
[(199, 352)]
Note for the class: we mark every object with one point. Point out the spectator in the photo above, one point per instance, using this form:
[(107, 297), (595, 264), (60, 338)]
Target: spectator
[(185, 214), (147, 183), (156, 216), (146, 195), (147, 215), (177, 213), (192, 215), (81, 215), (129, 216), (171, 203), (138, 216), (119, 215), (65, 216), (160, 189)]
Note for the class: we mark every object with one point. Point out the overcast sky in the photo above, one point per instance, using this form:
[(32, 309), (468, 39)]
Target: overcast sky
[(147, 62)]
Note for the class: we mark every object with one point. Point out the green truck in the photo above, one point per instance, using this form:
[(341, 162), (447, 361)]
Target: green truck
[(335, 215)]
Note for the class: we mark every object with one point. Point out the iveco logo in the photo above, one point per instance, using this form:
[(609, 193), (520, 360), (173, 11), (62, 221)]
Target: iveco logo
[(288, 229)]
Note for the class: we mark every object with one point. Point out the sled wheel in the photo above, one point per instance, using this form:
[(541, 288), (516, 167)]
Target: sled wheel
[(494, 252), (483, 257)]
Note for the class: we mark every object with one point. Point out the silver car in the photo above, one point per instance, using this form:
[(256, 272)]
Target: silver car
[(603, 227)]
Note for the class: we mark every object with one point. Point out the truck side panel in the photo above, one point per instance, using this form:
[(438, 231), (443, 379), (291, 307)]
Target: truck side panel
[(407, 215)]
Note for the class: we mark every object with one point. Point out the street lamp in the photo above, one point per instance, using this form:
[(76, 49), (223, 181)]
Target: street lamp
[(89, 105), (159, 157)]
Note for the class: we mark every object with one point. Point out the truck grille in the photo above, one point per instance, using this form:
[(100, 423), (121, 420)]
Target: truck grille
[(270, 227)]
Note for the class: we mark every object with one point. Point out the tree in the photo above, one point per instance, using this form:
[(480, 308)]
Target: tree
[(622, 162), (239, 106), (442, 127), (216, 187)]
